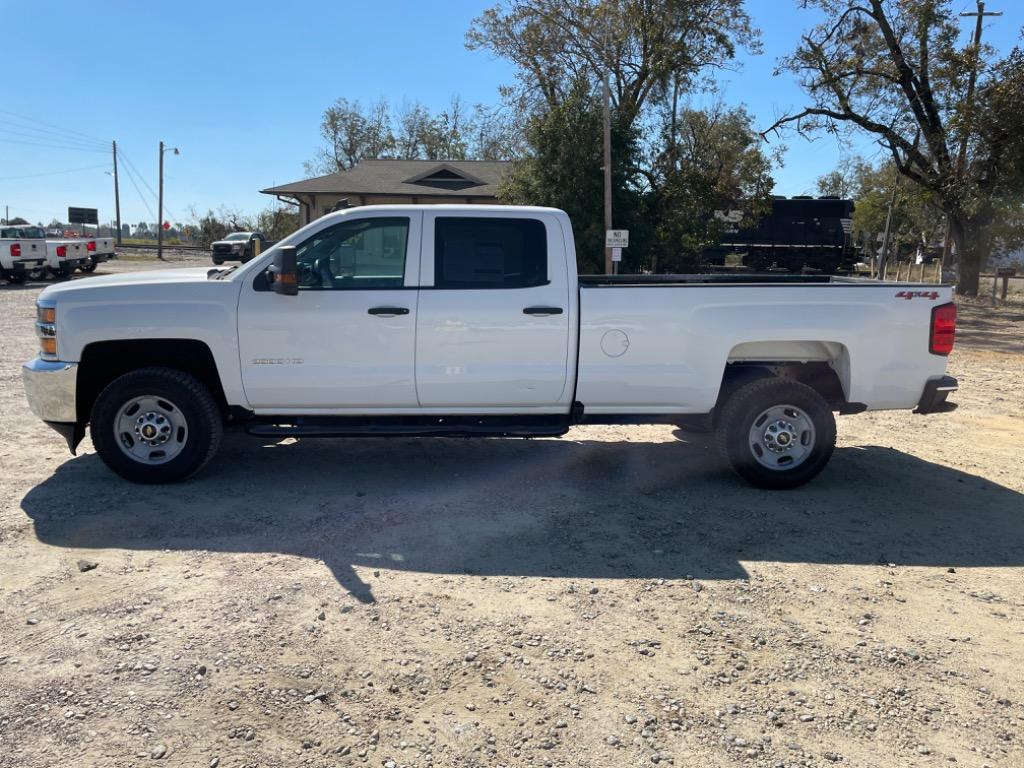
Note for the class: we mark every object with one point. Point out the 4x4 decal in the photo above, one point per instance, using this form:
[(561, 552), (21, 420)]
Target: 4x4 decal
[(908, 295)]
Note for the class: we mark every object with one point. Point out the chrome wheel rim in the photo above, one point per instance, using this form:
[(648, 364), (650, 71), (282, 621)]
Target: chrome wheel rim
[(151, 430), (781, 437)]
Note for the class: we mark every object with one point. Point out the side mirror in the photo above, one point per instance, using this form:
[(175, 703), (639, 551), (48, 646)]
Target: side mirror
[(284, 274)]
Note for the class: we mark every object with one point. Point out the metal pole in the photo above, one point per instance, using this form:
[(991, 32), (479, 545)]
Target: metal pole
[(117, 197), (884, 256), (160, 210), (608, 264)]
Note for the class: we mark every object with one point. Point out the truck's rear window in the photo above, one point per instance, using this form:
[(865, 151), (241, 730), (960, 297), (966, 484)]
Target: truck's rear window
[(476, 252)]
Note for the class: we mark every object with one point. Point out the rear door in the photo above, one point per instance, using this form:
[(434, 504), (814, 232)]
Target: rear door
[(346, 343), (494, 309)]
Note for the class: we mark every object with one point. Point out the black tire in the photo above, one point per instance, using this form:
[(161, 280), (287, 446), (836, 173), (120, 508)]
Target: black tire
[(16, 278), (737, 419), (218, 262), (89, 266), (205, 425)]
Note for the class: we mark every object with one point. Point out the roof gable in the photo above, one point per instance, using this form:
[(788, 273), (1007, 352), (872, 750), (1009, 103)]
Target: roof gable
[(445, 176), (473, 178)]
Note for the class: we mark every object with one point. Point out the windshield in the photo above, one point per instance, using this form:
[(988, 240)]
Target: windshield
[(238, 236)]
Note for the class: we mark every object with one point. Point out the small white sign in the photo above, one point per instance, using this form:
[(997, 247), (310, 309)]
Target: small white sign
[(616, 254), (616, 238)]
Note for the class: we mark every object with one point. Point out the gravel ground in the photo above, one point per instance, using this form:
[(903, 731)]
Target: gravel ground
[(615, 597)]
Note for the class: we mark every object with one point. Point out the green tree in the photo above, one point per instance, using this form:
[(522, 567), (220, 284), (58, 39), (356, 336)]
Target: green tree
[(705, 161), (276, 222), (648, 48), (351, 132), (896, 71), (562, 168)]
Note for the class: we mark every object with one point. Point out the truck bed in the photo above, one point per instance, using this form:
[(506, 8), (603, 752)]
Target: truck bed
[(745, 278)]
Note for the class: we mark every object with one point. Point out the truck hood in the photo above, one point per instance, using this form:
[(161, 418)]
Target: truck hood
[(129, 279)]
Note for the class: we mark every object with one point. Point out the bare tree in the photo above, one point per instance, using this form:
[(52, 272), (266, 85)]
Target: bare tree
[(895, 71)]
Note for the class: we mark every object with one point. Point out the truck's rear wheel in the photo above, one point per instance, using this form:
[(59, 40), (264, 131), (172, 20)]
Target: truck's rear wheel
[(156, 425), (777, 434), (89, 266)]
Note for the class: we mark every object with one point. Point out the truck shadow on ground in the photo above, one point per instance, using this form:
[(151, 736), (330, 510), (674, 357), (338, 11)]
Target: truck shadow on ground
[(564, 508)]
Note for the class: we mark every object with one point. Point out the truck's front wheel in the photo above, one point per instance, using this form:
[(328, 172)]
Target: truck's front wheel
[(156, 425), (777, 434)]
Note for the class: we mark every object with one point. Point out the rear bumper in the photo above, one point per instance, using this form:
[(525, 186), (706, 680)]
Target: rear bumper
[(933, 399), (50, 389), (27, 265)]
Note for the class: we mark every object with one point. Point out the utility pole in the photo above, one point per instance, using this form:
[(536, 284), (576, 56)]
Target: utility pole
[(972, 79), (883, 259), (160, 203), (609, 265), (117, 197), (160, 210)]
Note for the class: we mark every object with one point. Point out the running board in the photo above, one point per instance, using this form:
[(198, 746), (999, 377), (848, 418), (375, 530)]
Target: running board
[(453, 426)]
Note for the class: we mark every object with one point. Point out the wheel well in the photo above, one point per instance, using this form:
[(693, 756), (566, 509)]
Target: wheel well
[(817, 374), (104, 361)]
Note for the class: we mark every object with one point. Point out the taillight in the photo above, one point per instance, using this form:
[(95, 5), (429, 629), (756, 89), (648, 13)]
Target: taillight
[(91, 245), (15, 249), (62, 251), (943, 331)]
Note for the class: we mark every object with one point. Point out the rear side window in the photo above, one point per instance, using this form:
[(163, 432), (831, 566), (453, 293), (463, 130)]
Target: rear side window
[(489, 253)]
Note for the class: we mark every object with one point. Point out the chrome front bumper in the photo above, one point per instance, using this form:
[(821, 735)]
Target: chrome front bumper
[(50, 389)]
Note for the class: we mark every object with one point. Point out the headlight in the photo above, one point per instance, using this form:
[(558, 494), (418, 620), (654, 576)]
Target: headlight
[(46, 330)]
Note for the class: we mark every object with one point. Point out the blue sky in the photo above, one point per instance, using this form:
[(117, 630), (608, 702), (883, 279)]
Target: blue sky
[(240, 87)]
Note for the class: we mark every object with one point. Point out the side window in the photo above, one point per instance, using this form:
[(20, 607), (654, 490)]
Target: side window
[(367, 253), (489, 253)]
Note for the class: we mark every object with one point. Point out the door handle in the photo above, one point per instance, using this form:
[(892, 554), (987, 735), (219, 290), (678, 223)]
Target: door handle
[(388, 311), (542, 311)]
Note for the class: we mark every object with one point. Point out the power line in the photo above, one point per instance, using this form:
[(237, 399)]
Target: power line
[(50, 146), (131, 178), (142, 178), (51, 139), (51, 135), (60, 128), (128, 160), (52, 173)]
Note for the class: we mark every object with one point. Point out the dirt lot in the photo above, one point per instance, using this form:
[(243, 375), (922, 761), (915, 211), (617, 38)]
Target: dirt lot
[(613, 598)]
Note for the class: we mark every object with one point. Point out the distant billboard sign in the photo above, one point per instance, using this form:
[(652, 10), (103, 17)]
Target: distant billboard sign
[(83, 216)]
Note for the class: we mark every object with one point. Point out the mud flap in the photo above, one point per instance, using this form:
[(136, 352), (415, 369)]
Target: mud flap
[(73, 433)]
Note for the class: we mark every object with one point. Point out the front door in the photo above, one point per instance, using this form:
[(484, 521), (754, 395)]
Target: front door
[(346, 343), (493, 328)]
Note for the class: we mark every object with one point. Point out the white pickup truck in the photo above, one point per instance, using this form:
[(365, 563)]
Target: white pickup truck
[(471, 321), (64, 256), (22, 252), (99, 249)]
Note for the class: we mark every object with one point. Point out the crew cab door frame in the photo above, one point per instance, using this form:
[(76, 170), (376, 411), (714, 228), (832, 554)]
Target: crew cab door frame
[(333, 351), (496, 349)]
